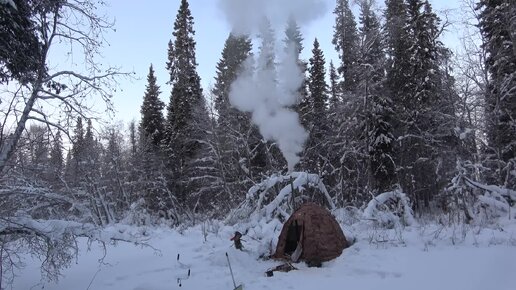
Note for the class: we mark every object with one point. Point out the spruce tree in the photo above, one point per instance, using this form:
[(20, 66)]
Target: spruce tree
[(377, 110), (397, 43), (497, 23), (347, 183), (152, 122), (113, 173), (293, 43), (397, 86), (133, 138), (236, 50), (186, 111), (92, 151), (267, 56), (345, 39), (293, 36), (316, 116), (234, 130), (424, 111), (334, 104), (186, 93), (56, 159), (335, 120), (318, 89), (334, 86), (20, 49), (75, 159), (151, 195)]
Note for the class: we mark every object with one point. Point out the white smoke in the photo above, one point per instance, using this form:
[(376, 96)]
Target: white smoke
[(267, 91), (245, 16)]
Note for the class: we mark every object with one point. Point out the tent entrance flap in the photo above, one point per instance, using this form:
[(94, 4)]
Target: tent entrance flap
[(293, 237)]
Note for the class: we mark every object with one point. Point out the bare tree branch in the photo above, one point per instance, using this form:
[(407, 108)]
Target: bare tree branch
[(76, 22)]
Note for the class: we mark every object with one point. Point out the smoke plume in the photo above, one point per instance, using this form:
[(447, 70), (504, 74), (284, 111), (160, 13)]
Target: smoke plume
[(266, 86), (245, 16)]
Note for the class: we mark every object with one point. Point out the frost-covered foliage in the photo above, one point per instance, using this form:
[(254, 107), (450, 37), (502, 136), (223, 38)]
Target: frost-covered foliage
[(389, 209), (53, 242), (459, 198), (45, 223), (495, 202), (264, 201), (269, 203), (505, 192), (138, 214), (470, 201), (497, 25), (492, 205)]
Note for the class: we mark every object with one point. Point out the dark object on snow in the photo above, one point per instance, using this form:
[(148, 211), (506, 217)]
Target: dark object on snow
[(239, 287), (180, 279), (314, 263), (287, 267), (238, 242), (311, 234)]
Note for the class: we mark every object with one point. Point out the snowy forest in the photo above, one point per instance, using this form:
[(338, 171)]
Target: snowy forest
[(399, 124)]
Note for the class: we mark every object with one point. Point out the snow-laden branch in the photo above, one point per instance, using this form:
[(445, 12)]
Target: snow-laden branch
[(54, 242), (378, 210), (255, 205), (29, 193), (505, 192), (56, 230)]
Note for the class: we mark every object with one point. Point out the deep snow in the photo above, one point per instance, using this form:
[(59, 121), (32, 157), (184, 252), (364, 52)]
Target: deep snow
[(423, 257)]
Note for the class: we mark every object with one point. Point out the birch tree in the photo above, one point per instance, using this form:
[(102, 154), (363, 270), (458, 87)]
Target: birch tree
[(50, 92)]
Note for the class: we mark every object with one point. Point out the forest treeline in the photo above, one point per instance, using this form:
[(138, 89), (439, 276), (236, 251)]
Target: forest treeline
[(398, 110)]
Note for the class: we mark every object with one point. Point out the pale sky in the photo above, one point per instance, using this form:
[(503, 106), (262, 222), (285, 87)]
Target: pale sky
[(143, 30)]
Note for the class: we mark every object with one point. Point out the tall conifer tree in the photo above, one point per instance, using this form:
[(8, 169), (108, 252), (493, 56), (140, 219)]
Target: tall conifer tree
[(345, 39), (187, 115), (152, 122), (334, 85), (498, 26), (377, 109), (316, 117), (234, 132)]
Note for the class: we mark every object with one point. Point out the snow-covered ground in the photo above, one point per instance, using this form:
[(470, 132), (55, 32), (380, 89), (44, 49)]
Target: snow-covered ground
[(420, 257)]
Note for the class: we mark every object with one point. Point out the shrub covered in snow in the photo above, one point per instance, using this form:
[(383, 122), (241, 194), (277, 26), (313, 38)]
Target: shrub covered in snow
[(495, 203), (263, 202), (389, 209), (271, 202)]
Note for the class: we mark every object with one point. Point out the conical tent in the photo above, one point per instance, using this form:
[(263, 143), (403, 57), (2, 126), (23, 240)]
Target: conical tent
[(311, 234)]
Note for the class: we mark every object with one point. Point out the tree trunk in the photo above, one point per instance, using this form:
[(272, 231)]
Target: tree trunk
[(8, 147)]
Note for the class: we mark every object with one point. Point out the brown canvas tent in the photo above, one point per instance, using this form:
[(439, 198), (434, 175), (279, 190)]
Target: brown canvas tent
[(310, 234)]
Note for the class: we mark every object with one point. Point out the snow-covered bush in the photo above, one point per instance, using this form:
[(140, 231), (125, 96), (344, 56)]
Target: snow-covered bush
[(138, 215), (389, 209), (53, 242), (458, 199), (471, 202), (490, 207), (269, 203), (348, 215), (496, 202), (262, 202)]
